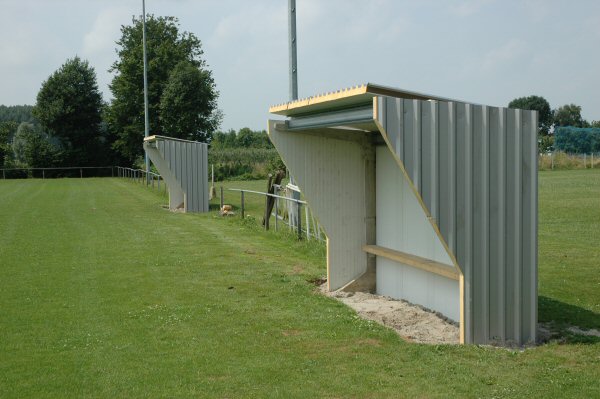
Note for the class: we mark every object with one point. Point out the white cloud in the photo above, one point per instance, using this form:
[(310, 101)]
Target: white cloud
[(469, 7), (99, 42), (250, 24), (105, 31), (503, 55)]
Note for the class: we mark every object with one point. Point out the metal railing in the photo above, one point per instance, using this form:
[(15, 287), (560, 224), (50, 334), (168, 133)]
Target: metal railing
[(311, 229), (564, 160), (141, 176), (29, 172)]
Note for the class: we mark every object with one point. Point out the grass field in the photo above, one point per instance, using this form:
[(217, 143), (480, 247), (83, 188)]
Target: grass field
[(103, 293)]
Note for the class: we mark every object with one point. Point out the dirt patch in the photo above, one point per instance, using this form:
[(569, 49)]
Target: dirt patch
[(297, 269), (413, 323), (319, 282)]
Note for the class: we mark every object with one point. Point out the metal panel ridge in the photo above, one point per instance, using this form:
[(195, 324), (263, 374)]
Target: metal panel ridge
[(478, 187)]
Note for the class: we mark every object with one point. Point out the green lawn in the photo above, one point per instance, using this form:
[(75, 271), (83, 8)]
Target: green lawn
[(569, 247), (103, 293)]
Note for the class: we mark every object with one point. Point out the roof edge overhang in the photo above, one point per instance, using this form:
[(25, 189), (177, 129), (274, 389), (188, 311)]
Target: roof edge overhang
[(154, 138), (353, 97)]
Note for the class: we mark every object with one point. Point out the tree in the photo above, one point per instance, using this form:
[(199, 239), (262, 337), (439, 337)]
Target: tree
[(68, 107), (166, 48), (33, 148), (536, 103), (569, 115), (16, 113), (595, 124), (7, 131), (188, 106)]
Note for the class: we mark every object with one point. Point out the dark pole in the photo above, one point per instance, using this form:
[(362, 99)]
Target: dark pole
[(146, 122), (293, 45), (293, 52)]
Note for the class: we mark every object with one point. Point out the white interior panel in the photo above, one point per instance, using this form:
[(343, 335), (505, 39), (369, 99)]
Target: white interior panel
[(402, 225)]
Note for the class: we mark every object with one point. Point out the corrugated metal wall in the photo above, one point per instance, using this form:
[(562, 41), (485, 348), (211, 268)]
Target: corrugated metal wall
[(475, 170), (333, 174), (402, 225), (187, 161)]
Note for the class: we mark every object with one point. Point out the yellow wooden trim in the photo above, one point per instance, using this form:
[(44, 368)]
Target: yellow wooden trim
[(328, 264), (461, 325), (418, 262), (319, 98)]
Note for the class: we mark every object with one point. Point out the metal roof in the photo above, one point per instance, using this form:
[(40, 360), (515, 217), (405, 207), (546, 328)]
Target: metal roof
[(157, 138), (346, 98)]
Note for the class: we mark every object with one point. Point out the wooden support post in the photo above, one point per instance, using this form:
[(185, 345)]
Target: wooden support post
[(242, 204), (276, 210), (299, 221), (307, 223), (266, 215), (221, 202)]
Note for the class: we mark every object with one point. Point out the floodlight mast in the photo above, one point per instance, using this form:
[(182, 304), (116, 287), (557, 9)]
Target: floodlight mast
[(293, 65), (293, 52), (146, 122)]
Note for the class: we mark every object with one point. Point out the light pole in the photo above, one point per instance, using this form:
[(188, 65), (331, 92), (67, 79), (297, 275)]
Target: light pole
[(146, 123), (293, 52), (293, 76)]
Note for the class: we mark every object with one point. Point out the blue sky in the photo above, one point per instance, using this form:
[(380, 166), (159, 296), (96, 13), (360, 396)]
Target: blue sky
[(483, 51)]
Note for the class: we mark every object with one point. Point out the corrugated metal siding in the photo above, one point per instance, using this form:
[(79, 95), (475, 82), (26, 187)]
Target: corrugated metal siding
[(188, 162), (403, 226), (332, 176), (481, 191)]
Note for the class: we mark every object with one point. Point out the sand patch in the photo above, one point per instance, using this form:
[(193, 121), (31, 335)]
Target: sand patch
[(411, 322)]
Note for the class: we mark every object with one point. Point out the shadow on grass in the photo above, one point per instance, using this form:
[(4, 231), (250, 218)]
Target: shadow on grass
[(561, 316)]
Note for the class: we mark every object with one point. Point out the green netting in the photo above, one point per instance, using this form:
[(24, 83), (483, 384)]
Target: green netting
[(577, 139)]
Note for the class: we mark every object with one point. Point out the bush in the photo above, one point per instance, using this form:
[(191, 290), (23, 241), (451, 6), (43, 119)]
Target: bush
[(244, 163)]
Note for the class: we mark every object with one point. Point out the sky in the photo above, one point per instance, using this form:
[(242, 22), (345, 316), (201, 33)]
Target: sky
[(480, 51)]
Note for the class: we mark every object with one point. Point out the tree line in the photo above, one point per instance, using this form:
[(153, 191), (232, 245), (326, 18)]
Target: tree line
[(551, 121), (72, 125)]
